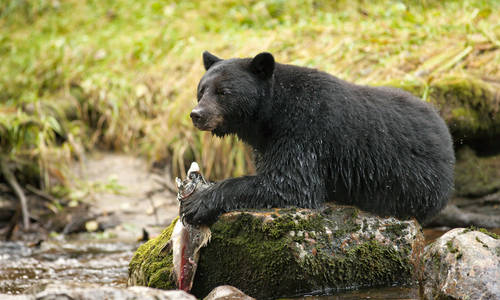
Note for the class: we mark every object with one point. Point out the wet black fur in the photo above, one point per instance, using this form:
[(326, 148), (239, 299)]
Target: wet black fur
[(317, 138)]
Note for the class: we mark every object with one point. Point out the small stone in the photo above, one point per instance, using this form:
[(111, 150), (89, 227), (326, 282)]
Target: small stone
[(227, 292), (91, 226)]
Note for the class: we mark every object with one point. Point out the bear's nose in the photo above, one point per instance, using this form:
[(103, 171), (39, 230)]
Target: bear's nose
[(195, 115)]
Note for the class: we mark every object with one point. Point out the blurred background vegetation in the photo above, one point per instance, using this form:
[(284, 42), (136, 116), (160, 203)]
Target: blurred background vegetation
[(78, 75)]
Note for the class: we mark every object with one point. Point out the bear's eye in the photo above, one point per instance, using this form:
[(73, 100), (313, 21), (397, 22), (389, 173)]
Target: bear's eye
[(200, 93), (223, 91)]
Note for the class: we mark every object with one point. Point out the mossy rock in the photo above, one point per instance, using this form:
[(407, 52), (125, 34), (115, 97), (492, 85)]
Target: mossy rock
[(287, 252), (470, 106), (152, 262), (476, 176)]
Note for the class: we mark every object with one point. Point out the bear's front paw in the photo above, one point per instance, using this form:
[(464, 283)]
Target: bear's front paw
[(196, 211)]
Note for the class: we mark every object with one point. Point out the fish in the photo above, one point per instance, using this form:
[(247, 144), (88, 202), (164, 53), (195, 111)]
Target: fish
[(187, 240)]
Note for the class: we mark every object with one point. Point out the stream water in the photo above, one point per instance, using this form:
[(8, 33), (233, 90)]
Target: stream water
[(90, 258), (86, 258), (79, 259)]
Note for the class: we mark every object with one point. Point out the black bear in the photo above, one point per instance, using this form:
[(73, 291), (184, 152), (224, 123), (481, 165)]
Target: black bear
[(317, 138)]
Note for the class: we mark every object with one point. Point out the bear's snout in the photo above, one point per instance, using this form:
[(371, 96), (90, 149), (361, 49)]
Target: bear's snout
[(196, 115), (205, 118)]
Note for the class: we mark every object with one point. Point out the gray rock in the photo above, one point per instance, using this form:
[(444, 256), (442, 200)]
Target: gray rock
[(16, 297), (227, 292), (286, 252), (462, 264), (72, 291)]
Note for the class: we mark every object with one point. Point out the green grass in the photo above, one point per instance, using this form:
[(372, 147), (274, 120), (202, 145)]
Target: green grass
[(122, 75)]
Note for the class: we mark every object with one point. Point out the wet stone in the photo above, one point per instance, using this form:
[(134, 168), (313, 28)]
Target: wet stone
[(227, 292), (280, 253), (462, 264)]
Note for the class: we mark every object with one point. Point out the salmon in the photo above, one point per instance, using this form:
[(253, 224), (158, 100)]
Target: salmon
[(187, 239)]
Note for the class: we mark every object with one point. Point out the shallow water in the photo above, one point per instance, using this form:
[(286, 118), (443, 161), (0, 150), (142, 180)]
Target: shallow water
[(76, 260), (370, 293), (105, 262), (86, 259)]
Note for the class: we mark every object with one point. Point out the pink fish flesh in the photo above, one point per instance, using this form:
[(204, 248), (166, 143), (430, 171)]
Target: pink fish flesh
[(187, 240)]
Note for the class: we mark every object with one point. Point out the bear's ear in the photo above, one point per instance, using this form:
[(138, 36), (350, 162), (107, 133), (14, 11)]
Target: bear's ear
[(263, 65), (209, 59)]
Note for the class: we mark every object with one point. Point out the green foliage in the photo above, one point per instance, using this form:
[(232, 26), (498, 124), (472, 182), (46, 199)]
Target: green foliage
[(123, 74)]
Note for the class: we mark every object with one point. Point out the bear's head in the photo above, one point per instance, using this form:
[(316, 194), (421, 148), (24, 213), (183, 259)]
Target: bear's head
[(232, 92)]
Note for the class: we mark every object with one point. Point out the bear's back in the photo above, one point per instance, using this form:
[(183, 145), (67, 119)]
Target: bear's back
[(382, 148)]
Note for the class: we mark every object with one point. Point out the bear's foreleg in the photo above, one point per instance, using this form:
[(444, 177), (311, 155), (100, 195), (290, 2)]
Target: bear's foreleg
[(251, 192)]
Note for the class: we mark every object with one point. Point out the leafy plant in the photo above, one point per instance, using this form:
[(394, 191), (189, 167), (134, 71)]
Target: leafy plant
[(122, 75)]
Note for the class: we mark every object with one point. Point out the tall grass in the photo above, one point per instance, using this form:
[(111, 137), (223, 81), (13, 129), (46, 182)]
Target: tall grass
[(122, 75)]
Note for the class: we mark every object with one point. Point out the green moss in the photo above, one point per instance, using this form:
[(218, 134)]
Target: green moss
[(476, 176), (449, 245), (153, 260), (468, 105), (415, 87), (468, 117), (482, 230), (280, 226), (491, 234), (361, 265), (396, 230), (252, 252), (469, 229), (453, 250), (481, 242)]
